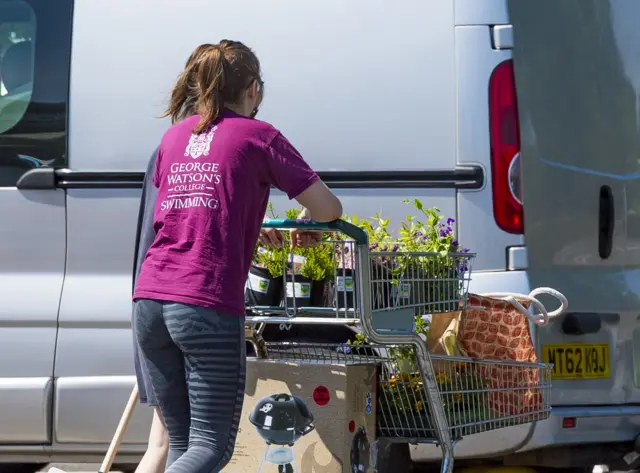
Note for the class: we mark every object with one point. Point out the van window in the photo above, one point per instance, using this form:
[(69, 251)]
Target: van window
[(35, 55)]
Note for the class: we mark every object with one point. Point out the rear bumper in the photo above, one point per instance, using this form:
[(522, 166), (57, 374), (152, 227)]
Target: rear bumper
[(594, 425)]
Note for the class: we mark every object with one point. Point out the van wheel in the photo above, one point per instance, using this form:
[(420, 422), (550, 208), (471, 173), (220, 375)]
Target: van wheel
[(21, 467)]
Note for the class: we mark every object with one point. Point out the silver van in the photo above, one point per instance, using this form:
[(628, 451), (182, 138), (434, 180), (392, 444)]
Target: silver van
[(412, 99)]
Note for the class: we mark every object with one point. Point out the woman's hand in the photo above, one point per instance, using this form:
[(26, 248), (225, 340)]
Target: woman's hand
[(271, 237), (305, 239)]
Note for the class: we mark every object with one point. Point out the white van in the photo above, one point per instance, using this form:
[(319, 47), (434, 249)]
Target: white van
[(412, 99)]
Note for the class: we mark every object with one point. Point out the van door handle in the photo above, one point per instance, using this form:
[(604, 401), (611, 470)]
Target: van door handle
[(38, 179), (606, 222)]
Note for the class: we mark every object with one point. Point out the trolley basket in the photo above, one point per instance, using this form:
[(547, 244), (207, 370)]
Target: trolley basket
[(380, 295)]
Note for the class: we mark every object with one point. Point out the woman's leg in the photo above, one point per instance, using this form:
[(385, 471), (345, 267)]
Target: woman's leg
[(165, 363), (214, 348), (155, 458)]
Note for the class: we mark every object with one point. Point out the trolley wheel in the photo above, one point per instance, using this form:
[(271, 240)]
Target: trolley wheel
[(285, 468), (394, 457)]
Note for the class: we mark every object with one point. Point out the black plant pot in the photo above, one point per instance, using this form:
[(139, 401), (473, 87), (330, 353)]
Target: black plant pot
[(409, 290), (318, 293), (298, 291), (381, 285), (445, 292), (262, 289), (428, 292), (344, 289)]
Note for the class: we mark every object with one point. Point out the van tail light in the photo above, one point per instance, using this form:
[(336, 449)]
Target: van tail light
[(504, 130)]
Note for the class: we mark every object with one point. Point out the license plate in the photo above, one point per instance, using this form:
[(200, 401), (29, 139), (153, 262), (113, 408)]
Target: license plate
[(577, 360)]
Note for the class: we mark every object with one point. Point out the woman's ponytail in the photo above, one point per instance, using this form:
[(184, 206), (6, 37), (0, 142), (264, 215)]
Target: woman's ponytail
[(179, 96), (214, 76), (210, 84), (183, 95)]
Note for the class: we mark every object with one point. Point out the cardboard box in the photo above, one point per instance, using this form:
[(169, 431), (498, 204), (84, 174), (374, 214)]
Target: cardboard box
[(341, 400)]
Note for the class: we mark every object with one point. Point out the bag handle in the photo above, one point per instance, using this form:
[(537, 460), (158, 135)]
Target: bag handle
[(542, 317)]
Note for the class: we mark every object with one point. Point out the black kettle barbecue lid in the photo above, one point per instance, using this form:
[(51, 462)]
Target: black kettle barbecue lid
[(281, 412)]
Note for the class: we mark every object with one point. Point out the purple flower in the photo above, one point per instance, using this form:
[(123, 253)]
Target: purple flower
[(461, 264), (465, 250), (346, 250), (444, 230), (455, 243), (395, 247), (418, 234), (450, 221), (373, 246)]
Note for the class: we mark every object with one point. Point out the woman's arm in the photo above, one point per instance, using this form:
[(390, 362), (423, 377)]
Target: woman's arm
[(320, 204)]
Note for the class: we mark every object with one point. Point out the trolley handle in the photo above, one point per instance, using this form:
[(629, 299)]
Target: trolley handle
[(342, 226)]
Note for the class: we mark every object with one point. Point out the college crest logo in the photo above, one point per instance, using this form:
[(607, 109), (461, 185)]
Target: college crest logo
[(200, 145)]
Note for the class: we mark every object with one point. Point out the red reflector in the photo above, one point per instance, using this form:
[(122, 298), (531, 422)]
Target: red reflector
[(568, 422), (504, 129)]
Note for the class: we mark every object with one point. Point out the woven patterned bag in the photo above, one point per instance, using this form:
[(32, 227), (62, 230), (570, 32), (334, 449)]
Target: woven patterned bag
[(496, 327)]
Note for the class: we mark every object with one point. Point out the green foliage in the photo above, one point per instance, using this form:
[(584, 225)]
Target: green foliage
[(430, 246), (319, 264), (427, 233), (380, 239), (272, 259), (319, 260), (292, 213)]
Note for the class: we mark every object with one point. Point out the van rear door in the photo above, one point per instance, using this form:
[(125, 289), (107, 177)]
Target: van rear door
[(577, 68)]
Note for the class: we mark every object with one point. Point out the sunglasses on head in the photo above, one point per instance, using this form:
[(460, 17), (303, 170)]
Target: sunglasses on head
[(260, 83), (259, 88)]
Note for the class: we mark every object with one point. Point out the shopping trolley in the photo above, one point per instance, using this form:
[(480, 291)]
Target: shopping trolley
[(423, 397)]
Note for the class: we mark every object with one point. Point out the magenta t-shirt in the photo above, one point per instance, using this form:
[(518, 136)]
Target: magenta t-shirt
[(213, 191)]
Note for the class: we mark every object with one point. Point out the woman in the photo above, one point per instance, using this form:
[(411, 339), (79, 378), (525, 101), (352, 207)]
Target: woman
[(213, 172), (182, 105)]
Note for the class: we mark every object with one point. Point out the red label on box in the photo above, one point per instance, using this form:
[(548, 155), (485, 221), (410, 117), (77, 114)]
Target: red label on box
[(321, 395)]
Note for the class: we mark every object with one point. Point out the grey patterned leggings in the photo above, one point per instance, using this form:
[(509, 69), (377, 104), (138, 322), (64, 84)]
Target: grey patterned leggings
[(196, 361)]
